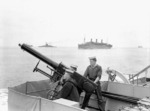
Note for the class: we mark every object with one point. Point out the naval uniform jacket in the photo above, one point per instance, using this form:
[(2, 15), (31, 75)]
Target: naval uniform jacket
[(93, 72)]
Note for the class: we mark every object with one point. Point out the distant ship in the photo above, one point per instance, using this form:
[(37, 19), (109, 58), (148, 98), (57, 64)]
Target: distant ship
[(94, 45), (140, 47), (46, 45)]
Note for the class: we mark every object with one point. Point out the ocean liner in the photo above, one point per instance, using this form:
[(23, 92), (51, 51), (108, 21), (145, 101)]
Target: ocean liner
[(94, 45)]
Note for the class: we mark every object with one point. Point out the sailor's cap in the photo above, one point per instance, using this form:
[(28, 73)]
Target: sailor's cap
[(69, 71), (73, 66), (93, 58)]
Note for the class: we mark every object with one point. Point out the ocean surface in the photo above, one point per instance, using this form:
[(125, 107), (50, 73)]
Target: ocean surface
[(16, 65)]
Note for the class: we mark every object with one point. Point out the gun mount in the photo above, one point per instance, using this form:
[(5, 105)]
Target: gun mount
[(60, 69)]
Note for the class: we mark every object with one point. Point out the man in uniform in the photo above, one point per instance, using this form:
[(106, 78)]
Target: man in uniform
[(93, 72), (69, 90)]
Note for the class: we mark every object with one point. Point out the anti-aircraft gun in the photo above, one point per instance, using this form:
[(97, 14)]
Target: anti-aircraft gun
[(58, 69)]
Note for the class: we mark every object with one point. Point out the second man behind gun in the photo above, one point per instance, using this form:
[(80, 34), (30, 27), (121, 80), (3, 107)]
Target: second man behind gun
[(94, 72)]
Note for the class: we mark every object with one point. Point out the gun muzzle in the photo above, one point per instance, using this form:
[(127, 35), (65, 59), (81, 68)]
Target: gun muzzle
[(39, 55)]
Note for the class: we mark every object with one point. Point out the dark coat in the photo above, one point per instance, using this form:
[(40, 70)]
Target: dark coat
[(69, 91)]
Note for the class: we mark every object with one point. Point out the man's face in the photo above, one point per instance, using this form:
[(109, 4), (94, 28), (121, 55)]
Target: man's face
[(92, 62), (66, 76)]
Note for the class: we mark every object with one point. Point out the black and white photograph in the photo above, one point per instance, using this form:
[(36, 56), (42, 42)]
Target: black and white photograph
[(74, 55)]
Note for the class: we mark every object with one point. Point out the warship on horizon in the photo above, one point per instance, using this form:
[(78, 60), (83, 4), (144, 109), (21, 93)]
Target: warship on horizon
[(46, 45)]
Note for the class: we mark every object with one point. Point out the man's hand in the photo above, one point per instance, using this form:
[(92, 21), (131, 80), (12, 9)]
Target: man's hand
[(96, 80)]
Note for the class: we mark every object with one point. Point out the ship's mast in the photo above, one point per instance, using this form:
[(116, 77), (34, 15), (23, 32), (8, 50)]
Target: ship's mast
[(91, 40), (84, 39)]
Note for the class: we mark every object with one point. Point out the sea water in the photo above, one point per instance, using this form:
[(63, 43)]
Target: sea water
[(16, 65)]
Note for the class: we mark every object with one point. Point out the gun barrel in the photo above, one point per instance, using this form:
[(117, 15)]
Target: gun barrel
[(59, 67), (39, 55)]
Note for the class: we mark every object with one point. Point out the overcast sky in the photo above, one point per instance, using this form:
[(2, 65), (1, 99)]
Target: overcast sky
[(123, 23)]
